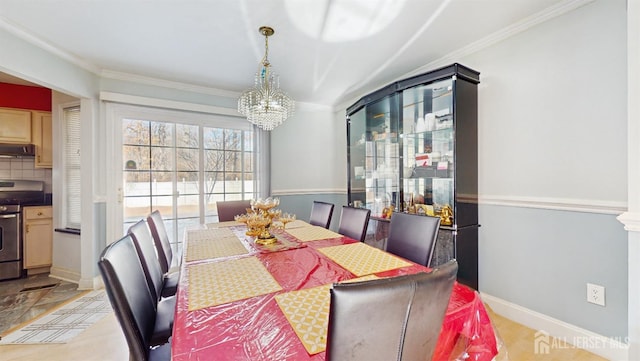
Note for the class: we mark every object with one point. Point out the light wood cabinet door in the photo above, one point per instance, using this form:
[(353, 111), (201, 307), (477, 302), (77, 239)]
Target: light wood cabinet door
[(42, 139), (37, 237), (15, 126)]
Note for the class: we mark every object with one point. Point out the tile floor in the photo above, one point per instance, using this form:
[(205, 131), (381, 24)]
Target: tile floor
[(23, 299)]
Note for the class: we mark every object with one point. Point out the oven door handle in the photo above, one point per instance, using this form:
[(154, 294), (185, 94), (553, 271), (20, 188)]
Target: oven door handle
[(8, 216)]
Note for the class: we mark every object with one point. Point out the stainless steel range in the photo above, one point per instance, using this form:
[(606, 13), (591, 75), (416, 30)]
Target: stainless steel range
[(14, 194)]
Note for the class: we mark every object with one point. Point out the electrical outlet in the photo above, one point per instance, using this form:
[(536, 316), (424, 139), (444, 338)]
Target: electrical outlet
[(595, 294)]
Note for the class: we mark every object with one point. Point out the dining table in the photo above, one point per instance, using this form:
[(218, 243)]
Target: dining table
[(240, 300)]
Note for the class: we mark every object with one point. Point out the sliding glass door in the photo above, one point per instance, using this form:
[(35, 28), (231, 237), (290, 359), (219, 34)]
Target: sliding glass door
[(181, 165)]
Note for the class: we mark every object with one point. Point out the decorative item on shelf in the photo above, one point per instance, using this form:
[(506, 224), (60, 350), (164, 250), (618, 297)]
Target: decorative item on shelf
[(435, 156), (420, 125), (430, 121), (446, 215), (387, 212), (266, 105), (423, 160)]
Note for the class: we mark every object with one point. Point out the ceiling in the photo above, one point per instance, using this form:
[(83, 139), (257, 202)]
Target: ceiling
[(326, 51)]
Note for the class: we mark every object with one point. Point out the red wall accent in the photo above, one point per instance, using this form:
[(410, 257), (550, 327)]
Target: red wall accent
[(25, 97)]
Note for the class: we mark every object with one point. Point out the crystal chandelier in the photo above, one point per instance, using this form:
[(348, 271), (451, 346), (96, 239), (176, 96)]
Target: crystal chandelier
[(266, 105)]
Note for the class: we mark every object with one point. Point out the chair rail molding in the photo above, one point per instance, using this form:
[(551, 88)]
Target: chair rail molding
[(561, 204), (298, 192), (631, 221)]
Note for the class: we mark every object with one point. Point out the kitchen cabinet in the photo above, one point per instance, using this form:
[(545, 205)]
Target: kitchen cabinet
[(37, 238), (42, 139), (15, 126), (412, 147)]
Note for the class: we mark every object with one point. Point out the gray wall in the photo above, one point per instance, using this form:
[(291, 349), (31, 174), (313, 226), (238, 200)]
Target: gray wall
[(300, 205), (542, 259)]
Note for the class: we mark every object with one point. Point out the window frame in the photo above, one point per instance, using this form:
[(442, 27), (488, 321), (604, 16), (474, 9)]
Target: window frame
[(66, 218), (116, 112)]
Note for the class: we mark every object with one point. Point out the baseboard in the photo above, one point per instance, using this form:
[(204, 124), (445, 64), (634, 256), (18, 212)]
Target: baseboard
[(64, 274), (93, 283), (566, 333)]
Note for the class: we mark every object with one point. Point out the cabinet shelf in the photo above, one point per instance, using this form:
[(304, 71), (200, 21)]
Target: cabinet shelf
[(444, 132)]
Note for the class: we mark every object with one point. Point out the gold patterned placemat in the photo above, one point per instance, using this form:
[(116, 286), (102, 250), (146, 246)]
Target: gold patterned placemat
[(362, 259), (308, 313), (224, 224), (214, 248), (297, 224), (312, 233), (210, 233), (216, 283)]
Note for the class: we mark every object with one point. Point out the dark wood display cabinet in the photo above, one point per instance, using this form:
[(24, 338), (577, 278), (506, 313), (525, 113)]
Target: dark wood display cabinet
[(412, 147)]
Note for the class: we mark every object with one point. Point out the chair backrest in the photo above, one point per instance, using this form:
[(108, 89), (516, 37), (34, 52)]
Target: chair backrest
[(143, 242), (321, 213), (354, 222), (397, 318), (413, 237), (161, 240), (229, 209), (129, 295)]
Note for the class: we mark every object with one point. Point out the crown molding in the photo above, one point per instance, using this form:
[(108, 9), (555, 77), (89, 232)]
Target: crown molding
[(38, 42), (140, 79), (503, 34), (496, 37)]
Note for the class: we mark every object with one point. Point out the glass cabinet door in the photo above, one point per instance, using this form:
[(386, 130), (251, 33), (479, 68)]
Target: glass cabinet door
[(356, 133), (428, 148), (375, 156)]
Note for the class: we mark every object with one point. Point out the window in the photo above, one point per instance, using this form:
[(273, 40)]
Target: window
[(182, 170), (72, 211)]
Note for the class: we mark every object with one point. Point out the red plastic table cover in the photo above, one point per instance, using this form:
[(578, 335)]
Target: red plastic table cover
[(255, 329)]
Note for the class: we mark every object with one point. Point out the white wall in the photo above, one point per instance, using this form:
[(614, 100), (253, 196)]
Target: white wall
[(66, 260), (27, 61), (308, 153)]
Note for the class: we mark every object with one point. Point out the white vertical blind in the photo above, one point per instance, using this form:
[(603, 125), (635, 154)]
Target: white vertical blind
[(72, 167)]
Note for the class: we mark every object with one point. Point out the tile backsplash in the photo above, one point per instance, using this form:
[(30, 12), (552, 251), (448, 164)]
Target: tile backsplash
[(23, 168)]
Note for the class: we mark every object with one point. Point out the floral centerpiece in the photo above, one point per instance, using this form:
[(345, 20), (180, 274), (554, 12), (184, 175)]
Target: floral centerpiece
[(260, 218)]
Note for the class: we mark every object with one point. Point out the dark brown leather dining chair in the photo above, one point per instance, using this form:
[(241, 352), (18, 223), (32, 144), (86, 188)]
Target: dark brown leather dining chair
[(321, 213), (145, 330), (413, 237), (161, 240), (227, 210), (160, 284), (396, 318), (354, 222)]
